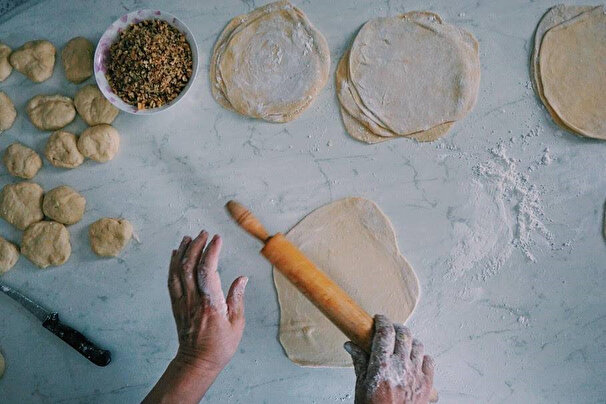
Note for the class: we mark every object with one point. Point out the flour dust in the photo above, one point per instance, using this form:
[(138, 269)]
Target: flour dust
[(503, 214)]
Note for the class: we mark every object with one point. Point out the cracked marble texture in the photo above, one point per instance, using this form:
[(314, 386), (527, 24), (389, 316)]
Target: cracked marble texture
[(469, 210)]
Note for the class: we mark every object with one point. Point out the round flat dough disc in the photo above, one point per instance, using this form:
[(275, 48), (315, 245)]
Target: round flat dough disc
[(46, 244), (572, 62), (554, 16), (414, 75), (353, 242), (273, 66), (365, 129)]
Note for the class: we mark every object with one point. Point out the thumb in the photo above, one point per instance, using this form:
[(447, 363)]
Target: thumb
[(235, 299), (359, 358)]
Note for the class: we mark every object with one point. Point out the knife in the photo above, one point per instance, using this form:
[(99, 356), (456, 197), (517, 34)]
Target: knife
[(50, 321)]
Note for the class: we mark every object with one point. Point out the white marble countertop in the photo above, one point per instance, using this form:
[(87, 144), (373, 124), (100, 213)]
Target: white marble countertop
[(502, 327)]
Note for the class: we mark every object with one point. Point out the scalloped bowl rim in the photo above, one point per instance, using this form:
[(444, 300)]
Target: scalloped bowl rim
[(109, 37)]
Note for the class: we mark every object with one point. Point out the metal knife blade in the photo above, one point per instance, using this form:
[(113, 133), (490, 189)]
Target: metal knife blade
[(40, 312), (50, 321)]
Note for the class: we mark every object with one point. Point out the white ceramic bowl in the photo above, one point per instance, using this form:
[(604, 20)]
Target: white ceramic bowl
[(111, 35)]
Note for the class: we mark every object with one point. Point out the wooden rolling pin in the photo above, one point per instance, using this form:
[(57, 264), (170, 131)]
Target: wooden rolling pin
[(325, 294)]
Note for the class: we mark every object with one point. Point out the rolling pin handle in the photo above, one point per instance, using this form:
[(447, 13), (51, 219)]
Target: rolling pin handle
[(247, 220)]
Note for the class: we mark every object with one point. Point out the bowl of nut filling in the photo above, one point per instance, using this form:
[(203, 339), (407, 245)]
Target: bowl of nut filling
[(146, 61)]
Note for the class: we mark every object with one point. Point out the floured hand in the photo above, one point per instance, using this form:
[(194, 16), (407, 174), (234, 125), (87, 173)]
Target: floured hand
[(396, 371), (209, 326)]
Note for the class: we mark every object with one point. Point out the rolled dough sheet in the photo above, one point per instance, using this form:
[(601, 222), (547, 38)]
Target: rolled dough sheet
[(572, 63), (354, 243), (554, 16)]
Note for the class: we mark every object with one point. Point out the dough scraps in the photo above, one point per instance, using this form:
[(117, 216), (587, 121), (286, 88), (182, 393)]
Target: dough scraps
[(354, 243), (270, 63), (390, 94)]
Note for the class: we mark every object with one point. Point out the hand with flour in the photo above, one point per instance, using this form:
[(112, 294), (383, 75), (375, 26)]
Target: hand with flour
[(209, 325), (396, 371)]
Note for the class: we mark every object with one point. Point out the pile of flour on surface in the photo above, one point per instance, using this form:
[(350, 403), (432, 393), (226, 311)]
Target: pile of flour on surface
[(506, 214)]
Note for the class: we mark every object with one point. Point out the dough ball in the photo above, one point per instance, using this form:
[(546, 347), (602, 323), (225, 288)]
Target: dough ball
[(5, 66), (35, 59), (2, 366), (93, 107), (64, 205), (21, 204), (99, 143), (21, 161), (109, 236), (46, 244), (9, 254), (77, 59), (62, 150), (270, 63), (50, 112), (8, 113)]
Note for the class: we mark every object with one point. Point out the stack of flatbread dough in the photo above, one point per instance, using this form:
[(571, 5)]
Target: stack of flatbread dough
[(568, 67), (407, 76), (269, 64)]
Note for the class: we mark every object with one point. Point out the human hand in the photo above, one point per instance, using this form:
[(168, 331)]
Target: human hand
[(209, 325), (395, 371)]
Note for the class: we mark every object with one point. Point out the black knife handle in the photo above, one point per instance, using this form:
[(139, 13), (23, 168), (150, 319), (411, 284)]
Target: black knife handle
[(76, 340)]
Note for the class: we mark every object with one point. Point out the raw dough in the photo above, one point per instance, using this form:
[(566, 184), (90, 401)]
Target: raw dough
[(270, 63), (571, 62), (414, 75), (355, 244), (64, 205), (554, 16), (21, 204), (9, 254), (5, 66), (93, 107), (62, 150), (77, 59), (384, 93), (35, 59), (100, 143), (46, 244), (8, 113), (109, 236), (2, 365), (21, 161), (364, 129), (50, 112)]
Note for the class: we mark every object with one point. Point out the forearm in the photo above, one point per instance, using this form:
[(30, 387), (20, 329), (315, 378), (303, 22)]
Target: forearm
[(182, 382)]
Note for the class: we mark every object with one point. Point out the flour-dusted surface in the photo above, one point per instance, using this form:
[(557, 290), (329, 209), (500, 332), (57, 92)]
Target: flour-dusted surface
[(521, 331)]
